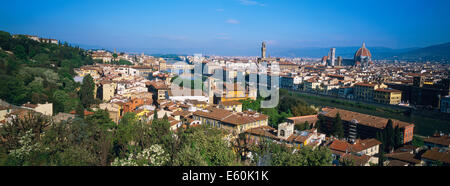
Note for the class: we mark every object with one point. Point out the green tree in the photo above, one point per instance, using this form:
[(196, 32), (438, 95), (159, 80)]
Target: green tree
[(417, 142), (20, 52), (101, 118), (79, 111), (87, 91), (338, 128)]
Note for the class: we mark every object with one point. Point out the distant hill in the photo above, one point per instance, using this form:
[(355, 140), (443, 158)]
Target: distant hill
[(439, 52), (435, 52), (345, 52)]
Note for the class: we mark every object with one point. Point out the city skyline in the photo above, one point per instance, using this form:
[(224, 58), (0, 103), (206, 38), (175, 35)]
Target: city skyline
[(233, 27)]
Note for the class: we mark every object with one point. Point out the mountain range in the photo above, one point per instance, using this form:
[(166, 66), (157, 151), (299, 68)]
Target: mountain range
[(434, 52)]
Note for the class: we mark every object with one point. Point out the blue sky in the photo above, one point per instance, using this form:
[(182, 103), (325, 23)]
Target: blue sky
[(230, 27)]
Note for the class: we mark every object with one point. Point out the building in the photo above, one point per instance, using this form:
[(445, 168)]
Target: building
[(300, 120), (4, 110), (436, 155), (439, 140), (345, 92), (60, 117), (402, 159), (235, 122), (311, 85), (162, 65), (363, 126), (46, 109), (366, 91), (363, 57), (361, 151), (107, 90), (113, 109), (420, 93), (287, 82), (332, 57), (285, 135), (445, 104), (234, 106), (159, 90), (388, 96)]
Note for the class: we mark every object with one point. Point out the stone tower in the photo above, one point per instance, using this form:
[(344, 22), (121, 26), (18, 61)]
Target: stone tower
[(210, 91), (263, 50), (285, 130)]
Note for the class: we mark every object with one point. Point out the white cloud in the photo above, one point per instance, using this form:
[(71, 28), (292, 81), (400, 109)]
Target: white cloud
[(251, 3), (232, 21)]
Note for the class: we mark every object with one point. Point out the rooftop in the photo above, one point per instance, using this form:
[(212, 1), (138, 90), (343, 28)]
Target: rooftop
[(363, 119)]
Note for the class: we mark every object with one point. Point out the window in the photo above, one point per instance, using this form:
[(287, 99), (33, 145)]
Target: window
[(282, 133)]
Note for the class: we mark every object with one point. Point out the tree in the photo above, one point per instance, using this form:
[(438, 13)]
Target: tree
[(389, 136), (79, 111), (347, 162), (87, 91), (417, 142), (115, 56), (153, 156), (189, 156), (20, 52), (321, 124), (11, 132), (381, 158), (101, 119), (338, 128)]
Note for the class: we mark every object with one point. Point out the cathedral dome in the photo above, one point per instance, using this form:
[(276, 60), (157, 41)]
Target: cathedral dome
[(363, 52)]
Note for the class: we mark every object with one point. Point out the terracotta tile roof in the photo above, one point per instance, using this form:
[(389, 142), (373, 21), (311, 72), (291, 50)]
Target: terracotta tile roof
[(158, 85), (28, 105), (311, 119), (183, 113), (360, 145), (231, 103), (440, 140), (213, 113), (266, 131), (363, 119), (438, 155), (298, 138), (86, 113), (241, 118), (357, 160), (226, 116), (403, 156)]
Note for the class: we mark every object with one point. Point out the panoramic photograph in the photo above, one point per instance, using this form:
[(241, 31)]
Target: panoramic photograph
[(243, 87)]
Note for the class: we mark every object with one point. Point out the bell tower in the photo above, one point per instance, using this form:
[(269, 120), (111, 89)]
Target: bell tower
[(263, 50)]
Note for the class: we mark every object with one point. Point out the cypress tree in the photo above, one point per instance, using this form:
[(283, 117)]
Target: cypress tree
[(306, 125), (338, 128), (165, 118), (79, 111), (155, 115), (87, 91)]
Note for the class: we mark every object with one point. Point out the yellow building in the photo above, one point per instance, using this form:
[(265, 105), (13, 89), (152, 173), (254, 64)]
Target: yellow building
[(113, 110), (85, 70), (107, 90), (365, 91), (234, 106), (234, 92), (388, 96)]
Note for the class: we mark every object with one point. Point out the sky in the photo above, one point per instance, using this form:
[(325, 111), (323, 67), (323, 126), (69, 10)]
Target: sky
[(230, 27)]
